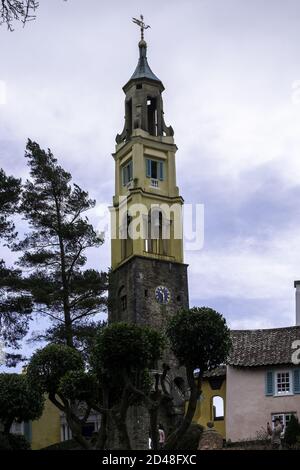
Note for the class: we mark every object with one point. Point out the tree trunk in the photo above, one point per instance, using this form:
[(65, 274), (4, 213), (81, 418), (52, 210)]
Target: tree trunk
[(124, 441), (153, 427), (102, 435), (65, 284), (177, 435), (77, 434)]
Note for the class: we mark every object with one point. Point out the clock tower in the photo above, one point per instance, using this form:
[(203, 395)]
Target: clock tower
[(148, 282)]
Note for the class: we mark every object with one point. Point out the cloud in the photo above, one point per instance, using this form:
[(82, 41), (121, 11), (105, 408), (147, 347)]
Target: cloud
[(230, 70)]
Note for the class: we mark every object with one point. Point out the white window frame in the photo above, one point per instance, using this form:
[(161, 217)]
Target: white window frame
[(282, 416), (17, 428), (287, 393)]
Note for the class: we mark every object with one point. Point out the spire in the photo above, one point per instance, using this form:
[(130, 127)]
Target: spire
[(142, 71), (143, 102)]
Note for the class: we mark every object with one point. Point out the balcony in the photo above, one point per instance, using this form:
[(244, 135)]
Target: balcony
[(154, 183)]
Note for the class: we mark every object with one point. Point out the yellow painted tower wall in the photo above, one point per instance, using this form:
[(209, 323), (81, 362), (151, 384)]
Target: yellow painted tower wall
[(204, 410), (141, 147)]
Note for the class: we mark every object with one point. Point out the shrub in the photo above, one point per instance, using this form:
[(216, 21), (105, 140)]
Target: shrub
[(13, 442), (66, 445), (190, 439), (292, 432)]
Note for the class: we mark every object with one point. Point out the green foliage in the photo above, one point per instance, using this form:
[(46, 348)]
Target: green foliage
[(10, 189), (13, 442), (191, 438), (4, 441), (199, 338), (49, 365), (123, 355), (15, 304), (292, 432), (55, 248), (58, 370), (79, 385), (128, 347), (19, 400)]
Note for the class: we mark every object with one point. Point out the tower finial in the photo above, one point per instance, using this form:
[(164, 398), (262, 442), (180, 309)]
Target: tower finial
[(140, 22)]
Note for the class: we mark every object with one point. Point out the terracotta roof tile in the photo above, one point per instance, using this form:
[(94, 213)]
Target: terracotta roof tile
[(262, 347)]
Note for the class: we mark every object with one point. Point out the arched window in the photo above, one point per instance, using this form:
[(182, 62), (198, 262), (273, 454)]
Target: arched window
[(157, 240), (217, 408), (152, 115), (122, 297), (126, 240)]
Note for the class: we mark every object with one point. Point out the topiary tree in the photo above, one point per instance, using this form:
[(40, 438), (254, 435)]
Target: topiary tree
[(119, 377), (200, 340), (19, 400), (123, 355), (57, 371), (292, 432)]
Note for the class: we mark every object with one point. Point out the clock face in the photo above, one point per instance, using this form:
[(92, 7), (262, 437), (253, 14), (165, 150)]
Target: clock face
[(162, 295)]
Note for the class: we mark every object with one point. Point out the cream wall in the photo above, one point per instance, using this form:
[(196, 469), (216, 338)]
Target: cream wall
[(46, 430), (247, 407)]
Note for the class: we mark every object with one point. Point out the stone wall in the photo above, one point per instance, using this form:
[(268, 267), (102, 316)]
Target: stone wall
[(137, 279)]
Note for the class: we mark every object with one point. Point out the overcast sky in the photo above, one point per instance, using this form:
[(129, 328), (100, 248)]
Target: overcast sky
[(231, 70)]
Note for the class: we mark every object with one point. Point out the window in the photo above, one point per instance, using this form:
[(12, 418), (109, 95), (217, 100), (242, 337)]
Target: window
[(154, 170), (158, 233), (17, 428), (124, 302), (126, 239), (123, 298), (217, 408), (284, 419), (127, 173), (88, 428), (152, 115), (283, 383)]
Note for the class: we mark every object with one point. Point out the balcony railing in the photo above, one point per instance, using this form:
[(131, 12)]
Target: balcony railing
[(154, 183)]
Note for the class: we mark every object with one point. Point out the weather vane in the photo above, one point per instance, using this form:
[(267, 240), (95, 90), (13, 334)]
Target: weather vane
[(141, 24)]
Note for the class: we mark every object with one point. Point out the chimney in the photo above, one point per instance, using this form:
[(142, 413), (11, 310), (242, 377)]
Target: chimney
[(297, 287)]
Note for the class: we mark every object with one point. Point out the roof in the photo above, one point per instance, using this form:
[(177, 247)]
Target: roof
[(217, 372), (263, 347), (142, 69)]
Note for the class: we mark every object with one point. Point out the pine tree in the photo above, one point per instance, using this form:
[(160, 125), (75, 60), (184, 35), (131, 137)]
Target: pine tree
[(55, 248), (15, 303)]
